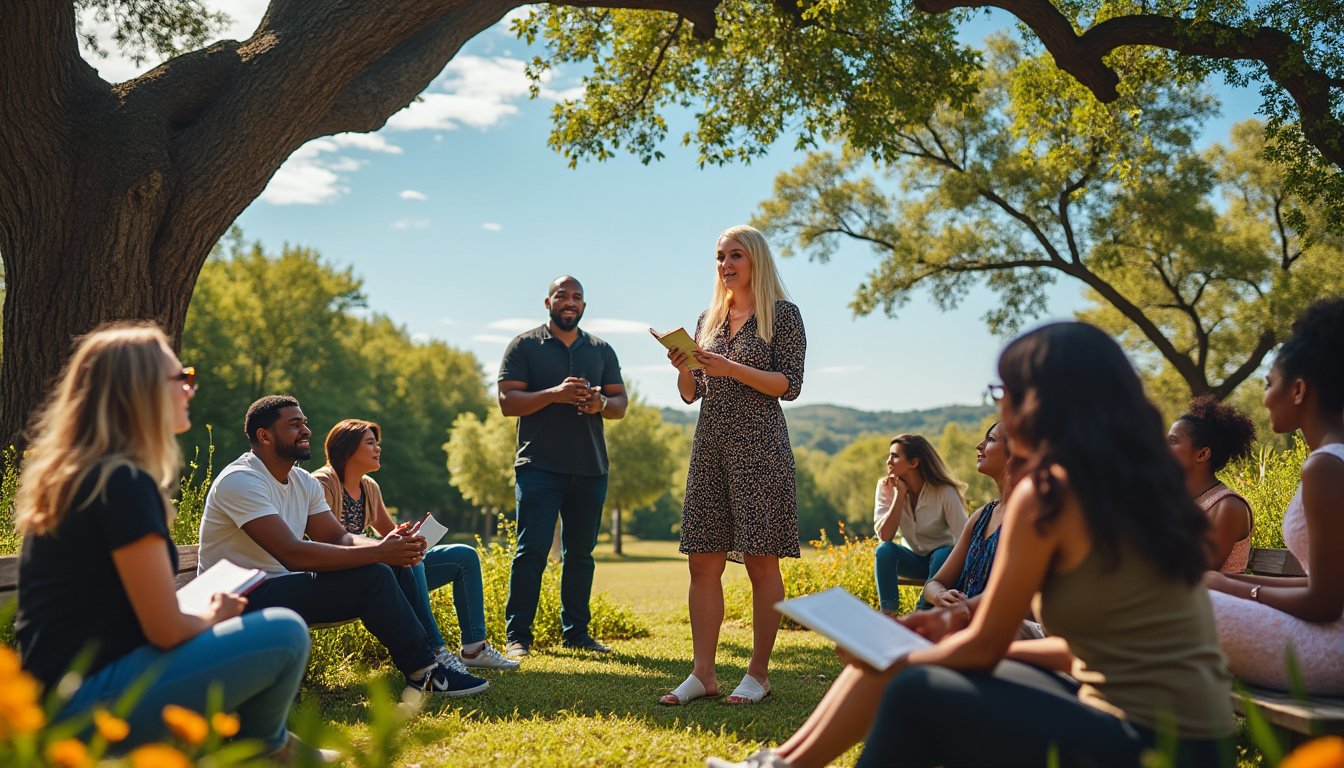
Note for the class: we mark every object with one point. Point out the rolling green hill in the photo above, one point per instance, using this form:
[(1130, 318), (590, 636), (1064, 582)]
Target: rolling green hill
[(829, 428)]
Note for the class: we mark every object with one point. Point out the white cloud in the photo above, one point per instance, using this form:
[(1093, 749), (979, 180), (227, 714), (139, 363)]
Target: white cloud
[(515, 324), (411, 194), (476, 92), (420, 337), (447, 321), (316, 172), (492, 226), (488, 338), (405, 224), (607, 325)]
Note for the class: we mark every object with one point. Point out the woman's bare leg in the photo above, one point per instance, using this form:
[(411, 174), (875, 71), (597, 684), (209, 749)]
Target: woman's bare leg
[(767, 588), (706, 608)]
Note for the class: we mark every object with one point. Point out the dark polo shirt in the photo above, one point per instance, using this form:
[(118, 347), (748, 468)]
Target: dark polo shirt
[(558, 438)]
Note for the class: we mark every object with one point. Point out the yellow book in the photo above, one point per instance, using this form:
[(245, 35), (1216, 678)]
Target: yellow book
[(679, 339)]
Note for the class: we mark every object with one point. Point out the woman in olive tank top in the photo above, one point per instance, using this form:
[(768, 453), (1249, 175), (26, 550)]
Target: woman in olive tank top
[(1100, 535)]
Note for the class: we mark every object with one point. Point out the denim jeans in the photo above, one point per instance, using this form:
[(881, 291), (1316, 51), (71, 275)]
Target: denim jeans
[(258, 660), (374, 594), (576, 500), (894, 562), (461, 565)]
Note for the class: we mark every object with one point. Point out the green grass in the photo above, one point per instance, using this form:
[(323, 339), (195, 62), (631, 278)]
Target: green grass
[(564, 708)]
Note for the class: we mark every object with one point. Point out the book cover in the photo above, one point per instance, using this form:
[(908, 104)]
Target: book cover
[(678, 338), (872, 636), (223, 576)]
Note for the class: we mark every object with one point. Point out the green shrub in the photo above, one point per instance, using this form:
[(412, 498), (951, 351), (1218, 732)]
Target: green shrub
[(1268, 478), (847, 563), (340, 652), (191, 495), (9, 485)]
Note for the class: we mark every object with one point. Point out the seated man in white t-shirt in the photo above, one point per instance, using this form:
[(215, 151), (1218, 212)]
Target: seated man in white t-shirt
[(257, 513)]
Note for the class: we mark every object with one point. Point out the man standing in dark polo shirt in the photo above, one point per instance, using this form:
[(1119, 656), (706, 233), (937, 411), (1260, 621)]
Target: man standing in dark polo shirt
[(561, 383)]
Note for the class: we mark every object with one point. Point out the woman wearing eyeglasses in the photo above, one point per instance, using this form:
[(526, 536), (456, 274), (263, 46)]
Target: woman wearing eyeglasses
[(98, 560)]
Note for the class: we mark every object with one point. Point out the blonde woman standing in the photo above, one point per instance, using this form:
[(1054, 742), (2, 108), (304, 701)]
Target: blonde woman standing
[(740, 494), (97, 555)]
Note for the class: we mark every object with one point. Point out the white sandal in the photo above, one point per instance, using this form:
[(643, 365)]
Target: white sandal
[(749, 691), (690, 689)]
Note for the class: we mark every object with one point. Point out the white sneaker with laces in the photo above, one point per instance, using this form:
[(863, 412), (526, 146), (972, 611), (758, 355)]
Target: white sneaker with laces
[(489, 657), (449, 659), (763, 758)]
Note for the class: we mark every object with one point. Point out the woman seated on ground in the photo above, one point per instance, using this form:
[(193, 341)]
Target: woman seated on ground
[(354, 449), (1114, 560), (847, 710), (921, 498), (1261, 619), (1203, 440), (98, 559)]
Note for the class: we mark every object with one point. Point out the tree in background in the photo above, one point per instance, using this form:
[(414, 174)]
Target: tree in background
[(480, 461), (290, 323), (850, 476), (816, 513), (643, 452), (1036, 180)]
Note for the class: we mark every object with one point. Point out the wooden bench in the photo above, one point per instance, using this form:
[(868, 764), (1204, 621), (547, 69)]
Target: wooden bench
[(9, 570), (1311, 716)]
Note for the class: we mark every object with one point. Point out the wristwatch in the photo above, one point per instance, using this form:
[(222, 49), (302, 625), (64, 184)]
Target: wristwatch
[(604, 402), (1255, 592)]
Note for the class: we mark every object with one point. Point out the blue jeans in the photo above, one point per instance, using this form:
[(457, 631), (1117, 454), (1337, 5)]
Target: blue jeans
[(461, 565), (894, 562), (258, 660), (576, 500)]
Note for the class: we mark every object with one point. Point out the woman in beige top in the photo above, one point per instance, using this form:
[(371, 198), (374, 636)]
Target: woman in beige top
[(922, 499), (1203, 440)]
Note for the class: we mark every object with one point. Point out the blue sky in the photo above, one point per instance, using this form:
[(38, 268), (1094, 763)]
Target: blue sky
[(457, 215)]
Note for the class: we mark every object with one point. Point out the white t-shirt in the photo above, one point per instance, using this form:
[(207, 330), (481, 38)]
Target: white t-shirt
[(936, 521), (244, 491)]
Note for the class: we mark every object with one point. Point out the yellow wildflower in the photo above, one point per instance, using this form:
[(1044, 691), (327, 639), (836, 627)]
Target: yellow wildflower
[(158, 756), (19, 691), (185, 724), (68, 753), (110, 726), (225, 725), (1325, 752)]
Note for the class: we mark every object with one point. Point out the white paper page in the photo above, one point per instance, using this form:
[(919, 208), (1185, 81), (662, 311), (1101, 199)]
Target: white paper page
[(223, 576), (853, 625), (432, 530)]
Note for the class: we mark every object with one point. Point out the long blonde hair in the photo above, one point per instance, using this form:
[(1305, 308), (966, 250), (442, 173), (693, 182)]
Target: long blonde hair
[(112, 407), (766, 287)]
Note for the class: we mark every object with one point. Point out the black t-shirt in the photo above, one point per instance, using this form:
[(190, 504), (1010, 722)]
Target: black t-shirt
[(558, 438), (69, 590)]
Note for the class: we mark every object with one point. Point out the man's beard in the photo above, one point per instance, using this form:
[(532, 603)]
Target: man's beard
[(563, 324), (293, 452)]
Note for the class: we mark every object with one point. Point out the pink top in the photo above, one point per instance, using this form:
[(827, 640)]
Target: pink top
[(1240, 555)]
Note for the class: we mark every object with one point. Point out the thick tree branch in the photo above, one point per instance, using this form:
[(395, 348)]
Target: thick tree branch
[(1263, 345), (1082, 56), (699, 12)]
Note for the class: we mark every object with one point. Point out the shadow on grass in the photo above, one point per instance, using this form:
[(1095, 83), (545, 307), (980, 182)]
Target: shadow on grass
[(610, 557)]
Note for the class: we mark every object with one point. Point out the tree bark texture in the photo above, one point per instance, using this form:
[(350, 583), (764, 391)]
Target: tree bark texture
[(112, 195)]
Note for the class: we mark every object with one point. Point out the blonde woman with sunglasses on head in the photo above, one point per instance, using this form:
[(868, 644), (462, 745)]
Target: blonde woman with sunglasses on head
[(93, 508)]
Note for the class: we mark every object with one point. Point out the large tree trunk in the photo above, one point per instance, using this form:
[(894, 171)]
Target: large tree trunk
[(111, 196)]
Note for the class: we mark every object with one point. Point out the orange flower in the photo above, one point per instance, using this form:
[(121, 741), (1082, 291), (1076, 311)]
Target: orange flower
[(224, 725), (185, 724), (1325, 752), (68, 753), (158, 756), (110, 726)]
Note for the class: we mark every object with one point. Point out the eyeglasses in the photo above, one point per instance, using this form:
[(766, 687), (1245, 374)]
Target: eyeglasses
[(995, 392), (187, 376)]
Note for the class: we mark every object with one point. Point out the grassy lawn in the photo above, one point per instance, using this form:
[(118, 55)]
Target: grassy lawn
[(569, 709)]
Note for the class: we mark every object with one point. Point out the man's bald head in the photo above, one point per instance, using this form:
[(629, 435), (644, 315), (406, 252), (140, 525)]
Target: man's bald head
[(568, 281), (564, 300)]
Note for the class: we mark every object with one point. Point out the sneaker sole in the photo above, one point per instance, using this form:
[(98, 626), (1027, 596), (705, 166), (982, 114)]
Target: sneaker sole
[(464, 691), (511, 665)]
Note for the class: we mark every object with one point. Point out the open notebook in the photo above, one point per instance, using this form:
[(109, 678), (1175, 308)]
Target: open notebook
[(854, 626), (223, 576)]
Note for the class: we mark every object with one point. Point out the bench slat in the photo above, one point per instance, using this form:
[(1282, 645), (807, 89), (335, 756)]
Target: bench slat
[(1274, 562), (187, 557), (1315, 715)]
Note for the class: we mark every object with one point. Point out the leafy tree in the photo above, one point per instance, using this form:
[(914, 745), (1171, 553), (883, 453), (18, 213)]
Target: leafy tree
[(642, 451), (480, 459), (112, 195), (816, 513), (263, 324), (1036, 180), (850, 476)]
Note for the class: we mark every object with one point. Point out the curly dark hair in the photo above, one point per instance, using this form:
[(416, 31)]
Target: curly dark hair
[(263, 413), (1081, 404), (1315, 352), (1225, 431)]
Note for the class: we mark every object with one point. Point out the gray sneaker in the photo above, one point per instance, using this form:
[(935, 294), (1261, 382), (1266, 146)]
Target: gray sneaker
[(518, 650), (488, 657)]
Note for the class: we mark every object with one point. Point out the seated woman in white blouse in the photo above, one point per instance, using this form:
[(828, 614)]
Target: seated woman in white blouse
[(922, 499)]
